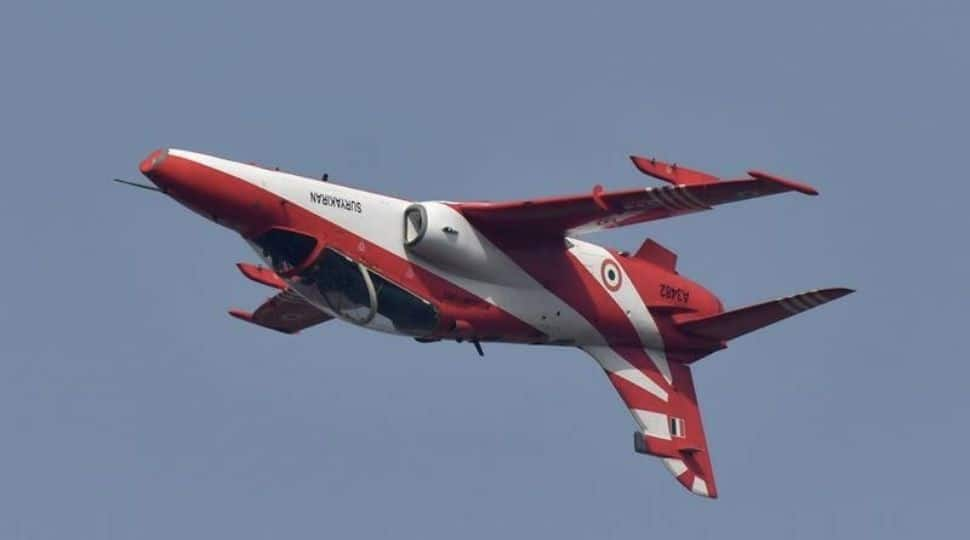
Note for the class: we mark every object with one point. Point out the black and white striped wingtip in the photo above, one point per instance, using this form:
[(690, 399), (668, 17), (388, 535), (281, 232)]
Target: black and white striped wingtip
[(807, 300)]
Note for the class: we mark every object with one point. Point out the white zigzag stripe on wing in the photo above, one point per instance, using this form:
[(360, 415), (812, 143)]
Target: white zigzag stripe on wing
[(613, 363), (627, 297)]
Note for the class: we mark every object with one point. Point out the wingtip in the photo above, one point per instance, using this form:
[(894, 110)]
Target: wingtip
[(241, 315), (248, 317), (698, 486), (698, 483), (262, 275), (694, 472), (644, 164), (790, 184), (838, 292)]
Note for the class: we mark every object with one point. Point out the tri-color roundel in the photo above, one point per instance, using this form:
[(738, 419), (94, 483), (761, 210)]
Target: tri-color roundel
[(610, 274)]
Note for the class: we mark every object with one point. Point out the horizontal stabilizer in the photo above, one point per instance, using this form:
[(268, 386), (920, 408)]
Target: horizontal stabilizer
[(731, 324)]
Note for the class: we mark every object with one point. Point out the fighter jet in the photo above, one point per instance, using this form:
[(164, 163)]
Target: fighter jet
[(480, 272)]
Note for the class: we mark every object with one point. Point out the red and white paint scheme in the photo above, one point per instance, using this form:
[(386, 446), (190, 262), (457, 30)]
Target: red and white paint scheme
[(506, 271)]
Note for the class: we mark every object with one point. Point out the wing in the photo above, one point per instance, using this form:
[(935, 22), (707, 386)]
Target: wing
[(664, 406), (737, 322), (286, 312), (692, 191)]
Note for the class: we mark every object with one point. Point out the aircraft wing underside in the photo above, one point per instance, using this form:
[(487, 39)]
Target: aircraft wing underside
[(286, 312), (665, 411)]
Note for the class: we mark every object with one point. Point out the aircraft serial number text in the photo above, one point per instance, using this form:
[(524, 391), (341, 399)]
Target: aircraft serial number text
[(674, 293)]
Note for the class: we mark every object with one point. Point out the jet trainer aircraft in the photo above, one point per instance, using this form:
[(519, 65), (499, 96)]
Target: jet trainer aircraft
[(497, 271)]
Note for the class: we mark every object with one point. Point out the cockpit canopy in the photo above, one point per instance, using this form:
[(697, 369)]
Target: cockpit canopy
[(285, 249)]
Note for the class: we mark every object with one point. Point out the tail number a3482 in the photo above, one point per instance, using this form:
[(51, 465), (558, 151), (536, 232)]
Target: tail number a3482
[(674, 293)]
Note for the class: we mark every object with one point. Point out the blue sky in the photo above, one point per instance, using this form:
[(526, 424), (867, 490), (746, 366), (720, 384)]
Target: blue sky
[(131, 406)]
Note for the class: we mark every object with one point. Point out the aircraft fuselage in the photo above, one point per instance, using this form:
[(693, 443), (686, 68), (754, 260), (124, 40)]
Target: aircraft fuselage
[(488, 289)]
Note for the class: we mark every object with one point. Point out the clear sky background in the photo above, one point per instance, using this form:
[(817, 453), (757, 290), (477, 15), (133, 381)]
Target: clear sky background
[(132, 406)]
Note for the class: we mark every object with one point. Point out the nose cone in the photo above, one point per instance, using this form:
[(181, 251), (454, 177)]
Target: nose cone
[(225, 198), (172, 174), (153, 161)]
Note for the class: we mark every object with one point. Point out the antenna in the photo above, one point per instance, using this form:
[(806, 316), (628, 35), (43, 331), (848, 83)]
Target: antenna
[(137, 185)]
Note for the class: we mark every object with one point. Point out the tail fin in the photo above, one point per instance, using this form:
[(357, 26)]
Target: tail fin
[(731, 324)]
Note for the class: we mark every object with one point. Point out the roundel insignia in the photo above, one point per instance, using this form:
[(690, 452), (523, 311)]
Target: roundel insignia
[(610, 274)]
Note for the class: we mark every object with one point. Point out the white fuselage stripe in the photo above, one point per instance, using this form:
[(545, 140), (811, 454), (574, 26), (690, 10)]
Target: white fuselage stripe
[(612, 362), (629, 301)]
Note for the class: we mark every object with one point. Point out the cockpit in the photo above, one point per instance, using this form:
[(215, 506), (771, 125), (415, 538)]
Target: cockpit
[(348, 288)]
